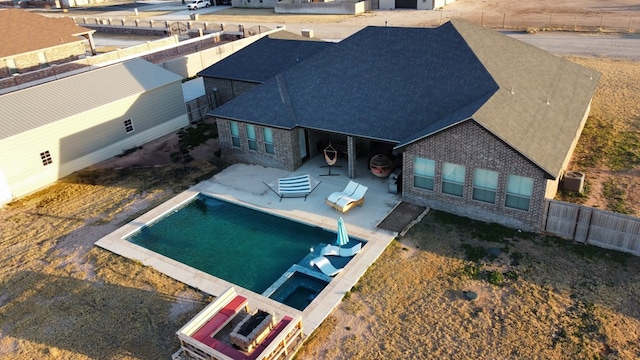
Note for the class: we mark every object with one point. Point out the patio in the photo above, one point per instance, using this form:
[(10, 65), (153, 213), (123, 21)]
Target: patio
[(244, 184)]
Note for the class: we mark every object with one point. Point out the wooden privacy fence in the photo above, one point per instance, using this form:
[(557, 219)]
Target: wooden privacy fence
[(592, 226), (198, 108)]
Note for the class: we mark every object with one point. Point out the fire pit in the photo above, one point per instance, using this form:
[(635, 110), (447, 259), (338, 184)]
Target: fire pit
[(250, 332)]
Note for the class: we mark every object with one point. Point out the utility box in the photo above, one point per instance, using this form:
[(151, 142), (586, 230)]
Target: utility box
[(395, 181), (573, 181)]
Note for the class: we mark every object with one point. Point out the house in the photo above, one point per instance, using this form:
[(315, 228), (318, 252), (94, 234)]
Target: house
[(258, 63), (50, 41), (483, 125), (93, 116)]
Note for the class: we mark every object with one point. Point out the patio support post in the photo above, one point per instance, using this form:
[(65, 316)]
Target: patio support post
[(351, 156)]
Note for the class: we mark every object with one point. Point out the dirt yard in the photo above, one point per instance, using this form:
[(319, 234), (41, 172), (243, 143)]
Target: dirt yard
[(537, 297)]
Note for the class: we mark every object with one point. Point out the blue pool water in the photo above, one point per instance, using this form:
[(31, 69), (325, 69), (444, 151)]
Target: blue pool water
[(299, 290), (246, 247)]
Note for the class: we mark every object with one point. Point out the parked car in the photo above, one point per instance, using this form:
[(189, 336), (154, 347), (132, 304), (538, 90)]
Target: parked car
[(197, 4)]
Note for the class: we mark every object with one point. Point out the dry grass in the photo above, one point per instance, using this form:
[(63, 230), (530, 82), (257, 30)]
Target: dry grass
[(608, 148), (60, 297), (556, 301)]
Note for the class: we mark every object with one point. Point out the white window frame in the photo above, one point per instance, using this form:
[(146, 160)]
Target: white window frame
[(485, 185), (268, 140), (252, 141), (519, 192), (45, 156), (128, 126), (424, 172), (235, 134), (453, 179)]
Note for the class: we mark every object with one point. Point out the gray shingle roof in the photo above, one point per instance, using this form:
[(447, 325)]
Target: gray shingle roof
[(264, 59), (369, 85), (543, 133), (402, 84), (35, 106)]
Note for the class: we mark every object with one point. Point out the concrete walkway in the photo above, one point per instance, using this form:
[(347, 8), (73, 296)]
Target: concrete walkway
[(244, 184)]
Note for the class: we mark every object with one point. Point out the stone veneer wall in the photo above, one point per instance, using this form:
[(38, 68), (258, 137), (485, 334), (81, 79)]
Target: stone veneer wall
[(471, 145), (55, 55), (286, 147)]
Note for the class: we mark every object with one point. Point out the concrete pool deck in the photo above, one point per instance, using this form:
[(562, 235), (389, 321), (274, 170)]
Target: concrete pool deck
[(244, 184)]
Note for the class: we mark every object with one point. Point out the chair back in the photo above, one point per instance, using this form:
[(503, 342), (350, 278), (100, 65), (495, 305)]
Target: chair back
[(359, 193)]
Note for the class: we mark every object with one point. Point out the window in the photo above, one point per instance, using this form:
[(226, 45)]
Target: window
[(268, 140), (519, 191), (251, 137), (46, 158), (424, 171), (235, 134), (453, 179), (485, 184), (128, 125)]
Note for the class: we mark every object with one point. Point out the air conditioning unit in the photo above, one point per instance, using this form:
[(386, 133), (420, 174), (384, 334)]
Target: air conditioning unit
[(573, 181)]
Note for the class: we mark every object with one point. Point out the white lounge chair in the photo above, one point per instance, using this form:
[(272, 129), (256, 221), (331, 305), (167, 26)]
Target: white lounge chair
[(348, 191), (332, 250), (295, 186), (325, 266), (345, 203)]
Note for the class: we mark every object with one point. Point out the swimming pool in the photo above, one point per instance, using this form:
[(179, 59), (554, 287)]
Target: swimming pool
[(298, 289), (246, 247)]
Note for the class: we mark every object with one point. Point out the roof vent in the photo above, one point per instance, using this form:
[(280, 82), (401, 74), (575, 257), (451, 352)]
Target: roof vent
[(573, 181)]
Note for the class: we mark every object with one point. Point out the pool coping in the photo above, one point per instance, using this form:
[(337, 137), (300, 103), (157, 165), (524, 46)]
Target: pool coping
[(313, 315)]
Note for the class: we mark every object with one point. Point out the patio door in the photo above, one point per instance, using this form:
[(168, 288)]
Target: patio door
[(5, 194), (302, 142)]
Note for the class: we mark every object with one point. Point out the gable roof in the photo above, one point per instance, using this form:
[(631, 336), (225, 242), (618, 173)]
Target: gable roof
[(265, 58), (82, 92), (542, 99), (403, 84), (44, 32)]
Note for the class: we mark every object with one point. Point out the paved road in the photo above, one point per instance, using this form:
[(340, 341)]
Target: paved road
[(600, 45), (622, 46)]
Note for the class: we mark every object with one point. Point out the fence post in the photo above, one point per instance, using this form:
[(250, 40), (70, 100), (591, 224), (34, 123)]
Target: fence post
[(575, 22), (504, 15), (550, 17), (629, 27)]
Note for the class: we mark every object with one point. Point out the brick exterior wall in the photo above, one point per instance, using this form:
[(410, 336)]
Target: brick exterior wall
[(285, 142), (471, 145)]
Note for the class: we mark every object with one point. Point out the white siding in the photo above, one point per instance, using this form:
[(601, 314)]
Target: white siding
[(89, 137)]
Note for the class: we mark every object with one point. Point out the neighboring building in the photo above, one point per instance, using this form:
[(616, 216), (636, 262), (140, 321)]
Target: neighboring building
[(29, 41), (484, 125), (339, 7), (51, 130), (413, 4)]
